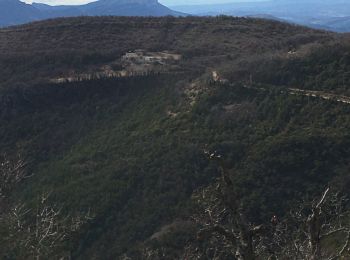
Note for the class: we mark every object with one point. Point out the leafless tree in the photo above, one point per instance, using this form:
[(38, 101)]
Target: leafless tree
[(224, 231), (313, 226), (33, 232), (12, 172), (40, 232)]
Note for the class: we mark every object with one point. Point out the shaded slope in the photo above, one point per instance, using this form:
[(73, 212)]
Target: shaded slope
[(131, 150), (112, 147)]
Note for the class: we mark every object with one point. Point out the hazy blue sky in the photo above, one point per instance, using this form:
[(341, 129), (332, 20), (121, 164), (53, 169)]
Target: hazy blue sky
[(166, 2)]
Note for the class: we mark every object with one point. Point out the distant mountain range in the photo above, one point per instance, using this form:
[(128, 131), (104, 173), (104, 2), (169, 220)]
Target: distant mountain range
[(14, 12), (331, 15), (320, 14)]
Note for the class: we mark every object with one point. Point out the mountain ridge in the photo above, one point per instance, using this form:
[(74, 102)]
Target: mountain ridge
[(312, 13), (14, 12)]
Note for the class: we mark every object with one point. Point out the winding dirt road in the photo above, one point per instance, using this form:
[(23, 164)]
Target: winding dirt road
[(320, 94)]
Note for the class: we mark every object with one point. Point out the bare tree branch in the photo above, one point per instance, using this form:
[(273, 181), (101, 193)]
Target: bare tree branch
[(300, 236)]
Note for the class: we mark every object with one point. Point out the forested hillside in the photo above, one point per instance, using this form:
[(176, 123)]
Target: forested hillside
[(109, 168)]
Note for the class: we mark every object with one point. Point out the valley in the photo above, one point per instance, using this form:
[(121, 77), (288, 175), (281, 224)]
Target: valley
[(106, 124)]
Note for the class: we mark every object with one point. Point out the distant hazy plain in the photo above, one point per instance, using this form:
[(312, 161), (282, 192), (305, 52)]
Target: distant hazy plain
[(165, 2)]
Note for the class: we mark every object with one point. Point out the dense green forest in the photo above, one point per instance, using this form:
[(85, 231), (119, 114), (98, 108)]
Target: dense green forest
[(119, 159)]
